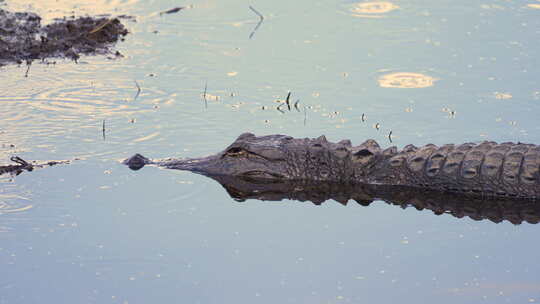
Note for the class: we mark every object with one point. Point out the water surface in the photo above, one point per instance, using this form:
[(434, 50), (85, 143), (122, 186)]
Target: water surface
[(95, 232)]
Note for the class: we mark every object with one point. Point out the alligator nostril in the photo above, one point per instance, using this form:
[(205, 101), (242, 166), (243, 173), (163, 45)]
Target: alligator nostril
[(136, 162)]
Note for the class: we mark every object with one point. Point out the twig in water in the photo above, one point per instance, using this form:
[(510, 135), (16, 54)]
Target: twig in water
[(204, 94), (258, 24), (172, 10), (363, 117), (296, 105), (101, 26), (287, 101), (28, 64), (103, 129), (138, 90), (19, 161), (279, 108), (305, 115), (390, 136)]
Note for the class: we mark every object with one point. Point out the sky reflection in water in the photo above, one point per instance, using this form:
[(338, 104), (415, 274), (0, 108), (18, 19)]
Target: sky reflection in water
[(95, 232)]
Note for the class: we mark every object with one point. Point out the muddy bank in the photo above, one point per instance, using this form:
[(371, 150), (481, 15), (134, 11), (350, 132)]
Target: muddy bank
[(24, 39)]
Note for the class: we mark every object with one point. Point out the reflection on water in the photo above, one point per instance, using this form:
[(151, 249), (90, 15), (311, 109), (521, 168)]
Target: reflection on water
[(104, 99), (533, 288), (534, 5), (12, 198), (147, 137), (108, 235), (46, 106), (51, 9), (477, 208), (6, 207), (406, 80), (501, 95), (372, 9)]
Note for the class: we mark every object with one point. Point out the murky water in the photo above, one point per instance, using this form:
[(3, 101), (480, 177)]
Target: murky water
[(427, 71)]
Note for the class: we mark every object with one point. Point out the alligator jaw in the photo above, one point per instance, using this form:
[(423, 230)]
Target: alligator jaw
[(212, 165), (203, 165)]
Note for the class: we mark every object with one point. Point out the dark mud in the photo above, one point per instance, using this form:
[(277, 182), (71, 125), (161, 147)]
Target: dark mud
[(24, 39)]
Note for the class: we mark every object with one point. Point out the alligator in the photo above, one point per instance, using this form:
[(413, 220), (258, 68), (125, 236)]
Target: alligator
[(515, 211), (485, 169), (24, 39)]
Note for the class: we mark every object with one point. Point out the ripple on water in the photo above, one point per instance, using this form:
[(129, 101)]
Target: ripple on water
[(11, 201), (406, 80), (66, 90), (11, 207), (46, 111), (78, 100), (377, 9)]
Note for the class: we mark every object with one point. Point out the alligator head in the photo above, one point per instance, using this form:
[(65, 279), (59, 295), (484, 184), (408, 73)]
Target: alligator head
[(280, 157)]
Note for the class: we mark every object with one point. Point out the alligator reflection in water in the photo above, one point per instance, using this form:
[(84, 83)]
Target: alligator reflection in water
[(496, 210)]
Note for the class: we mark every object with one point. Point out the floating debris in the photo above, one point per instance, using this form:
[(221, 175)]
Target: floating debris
[(406, 80), (172, 10), (451, 113), (204, 94), (138, 90), (23, 165)]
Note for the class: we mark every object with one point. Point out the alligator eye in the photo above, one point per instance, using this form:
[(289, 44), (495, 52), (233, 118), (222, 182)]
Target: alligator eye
[(235, 152)]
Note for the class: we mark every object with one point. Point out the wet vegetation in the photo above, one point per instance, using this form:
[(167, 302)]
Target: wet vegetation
[(23, 165)]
